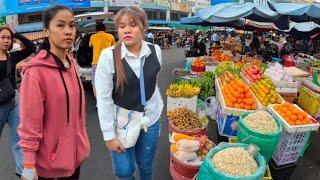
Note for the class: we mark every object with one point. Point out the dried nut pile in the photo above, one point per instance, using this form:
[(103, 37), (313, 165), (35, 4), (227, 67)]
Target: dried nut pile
[(261, 121), (235, 162), (184, 119)]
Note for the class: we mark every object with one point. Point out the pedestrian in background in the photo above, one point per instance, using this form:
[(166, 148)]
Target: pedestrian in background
[(150, 37), (9, 101), (99, 41), (121, 70), (52, 129)]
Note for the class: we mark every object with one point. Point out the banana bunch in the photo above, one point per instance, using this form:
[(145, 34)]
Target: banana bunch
[(182, 90)]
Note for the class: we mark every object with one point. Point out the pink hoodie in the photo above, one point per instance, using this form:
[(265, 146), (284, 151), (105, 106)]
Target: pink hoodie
[(52, 137)]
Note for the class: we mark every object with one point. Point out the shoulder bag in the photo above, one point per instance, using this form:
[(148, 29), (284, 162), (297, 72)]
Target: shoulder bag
[(7, 91)]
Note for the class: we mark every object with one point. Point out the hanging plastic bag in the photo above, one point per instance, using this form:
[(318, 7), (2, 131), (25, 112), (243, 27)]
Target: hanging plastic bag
[(211, 107)]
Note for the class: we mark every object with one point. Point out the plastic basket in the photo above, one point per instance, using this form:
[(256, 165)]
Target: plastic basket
[(182, 171), (289, 147), (298, 128), (281, 172), (309, 101), (200, 131)]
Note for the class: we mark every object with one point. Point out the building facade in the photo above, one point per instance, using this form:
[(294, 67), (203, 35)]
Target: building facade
[(157, 10)]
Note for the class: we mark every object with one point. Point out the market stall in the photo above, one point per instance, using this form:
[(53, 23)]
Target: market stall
[(261, 106)]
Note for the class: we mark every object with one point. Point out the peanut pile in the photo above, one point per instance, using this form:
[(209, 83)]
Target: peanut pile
[(184, 119), (261, 121), (235, 162)]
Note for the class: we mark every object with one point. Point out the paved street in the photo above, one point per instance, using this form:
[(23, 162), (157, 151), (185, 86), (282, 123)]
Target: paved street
[(98, 166)]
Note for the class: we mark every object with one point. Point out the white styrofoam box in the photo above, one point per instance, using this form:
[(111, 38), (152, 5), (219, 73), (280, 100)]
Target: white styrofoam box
[(286, 90), (228, 110), (298, 128), (190, 103)]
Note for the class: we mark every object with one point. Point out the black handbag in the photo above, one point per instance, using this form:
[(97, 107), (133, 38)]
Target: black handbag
[(7, 92)]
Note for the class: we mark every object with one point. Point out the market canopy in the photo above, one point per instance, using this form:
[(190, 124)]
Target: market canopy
[(241, 24), (303, 30), (298, 12), (227, 12), (196, 20)]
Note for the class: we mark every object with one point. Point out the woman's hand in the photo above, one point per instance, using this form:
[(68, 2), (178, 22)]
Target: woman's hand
[(115, 145)]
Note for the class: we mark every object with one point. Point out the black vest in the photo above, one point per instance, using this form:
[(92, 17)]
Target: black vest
[(130, 98)]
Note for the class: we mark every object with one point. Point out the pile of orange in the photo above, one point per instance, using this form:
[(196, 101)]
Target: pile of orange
[(237, 94), (216, 55), (292, 115), (220, 55)]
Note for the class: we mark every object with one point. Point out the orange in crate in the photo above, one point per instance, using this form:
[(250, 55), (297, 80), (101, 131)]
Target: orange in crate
[(236, 93), (292, 115)]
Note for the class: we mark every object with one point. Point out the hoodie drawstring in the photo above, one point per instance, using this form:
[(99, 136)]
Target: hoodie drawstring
[(67, 94)]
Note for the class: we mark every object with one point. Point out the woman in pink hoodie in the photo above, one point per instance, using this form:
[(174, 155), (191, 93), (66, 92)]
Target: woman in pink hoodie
[(53, 134)]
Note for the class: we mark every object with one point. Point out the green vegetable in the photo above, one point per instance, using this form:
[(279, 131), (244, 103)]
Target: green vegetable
[(205, 83)]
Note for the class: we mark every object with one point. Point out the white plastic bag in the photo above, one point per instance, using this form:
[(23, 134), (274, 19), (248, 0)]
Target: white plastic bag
[(185, 156), (188, 145), (212, 107)]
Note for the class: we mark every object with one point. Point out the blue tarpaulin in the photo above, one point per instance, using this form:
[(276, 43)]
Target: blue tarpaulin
[(298, 12), (233, 11), (242, 24), (303, 30)]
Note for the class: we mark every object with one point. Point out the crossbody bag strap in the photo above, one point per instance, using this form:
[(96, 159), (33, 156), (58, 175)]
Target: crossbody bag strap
[(142, 86), (8, 65)]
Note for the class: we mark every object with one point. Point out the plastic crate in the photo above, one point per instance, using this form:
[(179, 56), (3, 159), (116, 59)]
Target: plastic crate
[(289, 147), (309, 101), (282, 172)]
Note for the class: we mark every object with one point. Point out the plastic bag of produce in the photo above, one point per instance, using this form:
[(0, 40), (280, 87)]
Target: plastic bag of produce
[(267, 142), (187, 145), (212, 107), (185, 156), (201, 108), (209, 171)]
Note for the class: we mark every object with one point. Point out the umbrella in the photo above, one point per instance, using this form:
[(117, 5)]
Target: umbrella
[(298, 12)]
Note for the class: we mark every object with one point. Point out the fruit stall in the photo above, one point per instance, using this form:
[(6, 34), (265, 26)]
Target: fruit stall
[(264, 113)]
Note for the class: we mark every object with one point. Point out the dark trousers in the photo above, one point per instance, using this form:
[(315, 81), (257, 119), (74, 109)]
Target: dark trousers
[(75, 176)]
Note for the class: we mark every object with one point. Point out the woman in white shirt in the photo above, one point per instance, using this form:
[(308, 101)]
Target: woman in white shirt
[(118, 79)]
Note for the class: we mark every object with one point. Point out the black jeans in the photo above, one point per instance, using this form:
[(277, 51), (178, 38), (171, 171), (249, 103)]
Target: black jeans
[(75, 176)]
